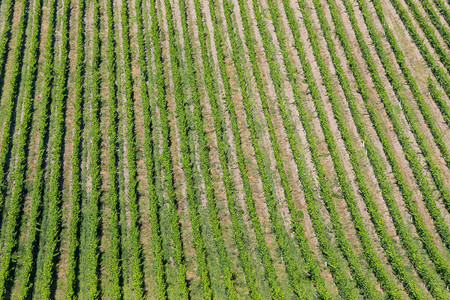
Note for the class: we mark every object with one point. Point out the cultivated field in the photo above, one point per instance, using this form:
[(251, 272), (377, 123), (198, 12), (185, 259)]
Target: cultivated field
[(226, 149)]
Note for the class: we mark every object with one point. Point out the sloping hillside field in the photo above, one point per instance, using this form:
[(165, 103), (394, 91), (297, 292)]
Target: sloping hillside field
[(225, 149)]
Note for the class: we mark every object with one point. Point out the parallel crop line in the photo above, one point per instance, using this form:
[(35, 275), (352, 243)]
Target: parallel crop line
[(76, 182), (55, 196), (18, 193), (443, 10), (205, 165), (340, 278), (211, 91), (166, 156), (192, 192), (38, 184), (157, 250), (373, 156), (93, 214), (113, 265), (440, 74), (443, 107), (361, 279), (410, 154), (289, 260), (10, 107), (5, 38), (427, 30), (370, 254), (434, 18), (137, 275), (310, 260), (267, 262), (377, 123), (423, 106)]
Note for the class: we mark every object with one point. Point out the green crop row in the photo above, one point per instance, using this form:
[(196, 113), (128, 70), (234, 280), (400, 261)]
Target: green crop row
[(166, 155), (410, 154), (134, 239), (378, 125), (429, 119), (29, 260), (292, 264), (76, 184), (157, 249), (93, 213), (9, 108), (5, 38), (17, 197), (183, 129), (443, 10), (371, 150), (263, 249), (114, 266), (423, 24), (443, 107), (55, 197), (434, 18), (205, 165), (422, 182), (311, 262), (374, 261), (324, 242), (341, 281), (440, 74), (208, 75), (423, 106)]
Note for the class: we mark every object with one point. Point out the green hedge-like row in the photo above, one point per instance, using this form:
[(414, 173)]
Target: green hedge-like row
[(443, 10), (205, 165), (137, 276), (307, 254), (93, 215), (166, 155), (324, 242), (429, 120), (76, 183), (114, 265), (211, 90), (443, 107), (157, 249), (308, 189), (423, 106), (5, 38), (262, 247), (341, 281), (291, 262), (192, 192), (371, 150), (54, 212), (423, 24), (440, 74), (374, 261), (434, 18), (13, 93), (405, 237), (13, 215), (422, 182), (38, 184)]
